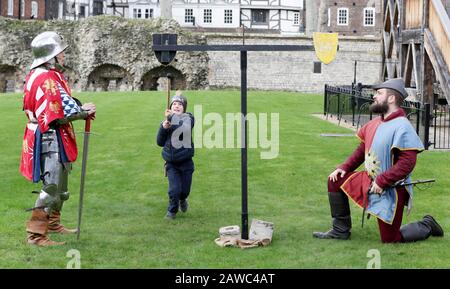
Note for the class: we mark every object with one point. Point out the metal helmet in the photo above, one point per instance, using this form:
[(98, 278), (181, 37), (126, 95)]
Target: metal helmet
[(45, 46)]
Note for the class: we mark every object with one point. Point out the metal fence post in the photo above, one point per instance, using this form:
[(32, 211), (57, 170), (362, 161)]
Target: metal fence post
[(355, 89), (339, 105), (418, 110), (427, 126)]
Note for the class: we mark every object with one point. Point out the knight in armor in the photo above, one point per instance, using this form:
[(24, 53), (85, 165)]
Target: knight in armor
[(49, 145), (388, 148)]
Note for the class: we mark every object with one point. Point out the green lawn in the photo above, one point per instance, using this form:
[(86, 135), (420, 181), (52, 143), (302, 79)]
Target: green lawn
[(126, 198)]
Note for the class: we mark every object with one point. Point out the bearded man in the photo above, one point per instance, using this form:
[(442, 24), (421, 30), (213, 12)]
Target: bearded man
[(388, 148)]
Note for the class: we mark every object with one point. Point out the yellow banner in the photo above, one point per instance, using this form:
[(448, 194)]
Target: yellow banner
[(325, 45)]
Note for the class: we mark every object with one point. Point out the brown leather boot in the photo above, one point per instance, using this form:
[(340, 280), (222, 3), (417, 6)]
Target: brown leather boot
[(37, 228), (55, 226)]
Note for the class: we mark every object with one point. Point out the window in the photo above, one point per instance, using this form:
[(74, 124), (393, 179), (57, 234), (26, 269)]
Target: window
[(228, 16), (260, 16), (342, 16), (137, 13), (98, 7), (207, 16), (11, 7), (188, 16), (134, 13), (317, 67), (369, 16), (148, 13), (296, 18), (82, 11), (34, 9)]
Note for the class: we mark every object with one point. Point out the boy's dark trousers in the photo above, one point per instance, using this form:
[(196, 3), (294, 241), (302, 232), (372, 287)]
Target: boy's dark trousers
[(180, 179)]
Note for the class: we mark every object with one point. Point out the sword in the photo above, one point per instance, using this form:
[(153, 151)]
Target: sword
[(414, 183), (87, 132)]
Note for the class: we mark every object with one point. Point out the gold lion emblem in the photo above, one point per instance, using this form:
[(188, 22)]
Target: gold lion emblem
[(54, 107), (50, 86)]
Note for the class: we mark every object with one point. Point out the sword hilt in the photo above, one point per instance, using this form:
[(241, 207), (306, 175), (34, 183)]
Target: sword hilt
[(87, 125), (169, 76)]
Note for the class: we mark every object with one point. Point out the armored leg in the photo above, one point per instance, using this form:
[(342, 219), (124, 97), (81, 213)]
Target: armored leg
[(54, 191), (54, 225), (53, 174), (63, 186)]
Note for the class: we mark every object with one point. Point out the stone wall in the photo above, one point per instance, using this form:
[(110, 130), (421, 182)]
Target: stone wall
[(294, 70), (104, 52), (112, 53)]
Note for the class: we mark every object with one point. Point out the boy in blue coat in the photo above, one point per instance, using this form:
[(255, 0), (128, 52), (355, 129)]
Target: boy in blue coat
[(175, 136)]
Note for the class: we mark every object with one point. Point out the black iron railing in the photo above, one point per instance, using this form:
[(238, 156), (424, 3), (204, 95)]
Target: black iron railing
[(351, 105), (441, 126)]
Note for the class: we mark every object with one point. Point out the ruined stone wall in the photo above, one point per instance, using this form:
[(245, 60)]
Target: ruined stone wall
[(105, 53), (112, 53)]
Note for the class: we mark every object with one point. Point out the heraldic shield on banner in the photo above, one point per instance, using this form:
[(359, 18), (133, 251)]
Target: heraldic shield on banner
[(325, 45)]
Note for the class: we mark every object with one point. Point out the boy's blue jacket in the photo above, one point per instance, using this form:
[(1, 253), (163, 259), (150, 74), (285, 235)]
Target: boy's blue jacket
[(169, 152)]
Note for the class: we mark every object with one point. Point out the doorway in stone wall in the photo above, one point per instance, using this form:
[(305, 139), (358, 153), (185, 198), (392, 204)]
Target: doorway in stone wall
[(7, 78), (109, 77), (156, 79)]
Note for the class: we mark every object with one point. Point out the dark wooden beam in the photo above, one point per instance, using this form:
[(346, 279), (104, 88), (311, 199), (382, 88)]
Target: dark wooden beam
[(428, 81), (408, 68), (417, 63), (439, 66), (411, 35)]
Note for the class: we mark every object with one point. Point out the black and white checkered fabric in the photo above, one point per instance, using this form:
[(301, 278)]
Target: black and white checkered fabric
[(69, 105)]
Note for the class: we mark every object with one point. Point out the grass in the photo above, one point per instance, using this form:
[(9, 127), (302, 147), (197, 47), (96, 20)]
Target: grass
[(126, 193)]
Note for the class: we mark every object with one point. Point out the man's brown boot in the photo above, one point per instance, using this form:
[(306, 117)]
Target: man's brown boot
[(55, 226), (37, 228)]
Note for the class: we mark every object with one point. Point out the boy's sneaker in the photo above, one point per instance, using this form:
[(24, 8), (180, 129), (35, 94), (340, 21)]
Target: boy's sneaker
[(170, 216), (184, 206)]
